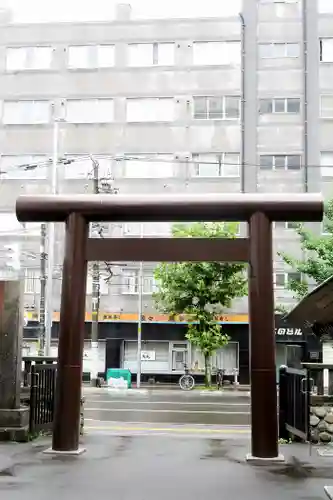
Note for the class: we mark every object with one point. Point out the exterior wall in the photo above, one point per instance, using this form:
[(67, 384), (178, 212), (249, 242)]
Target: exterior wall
[(302, 134), (113, 336)]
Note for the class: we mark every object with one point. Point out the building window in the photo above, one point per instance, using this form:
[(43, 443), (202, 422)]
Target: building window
[(326, 163), (131, 284), (91, 56), (24, 167), (326, 106), (135, 229), (28, 58), (151, 54), (9, 225), (279, 1), (281, 225), (283, 279), (325, 229), (158, 109), (26, 112), (280, 162), (326, 49), (89, 110), (148, 166), (32, 281), (216, 53), (325, 7), (103, 285), (278, 50), (216, 165), (280, 105), (216, 108)]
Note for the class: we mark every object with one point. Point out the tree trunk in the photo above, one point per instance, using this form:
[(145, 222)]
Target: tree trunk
[(208, 374)]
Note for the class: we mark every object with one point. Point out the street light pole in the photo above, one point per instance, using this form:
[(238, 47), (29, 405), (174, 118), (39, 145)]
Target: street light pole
[(140, 293), (43, 280), (50, 246), (95, 298)]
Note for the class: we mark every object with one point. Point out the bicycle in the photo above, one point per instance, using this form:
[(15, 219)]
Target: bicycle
[(219, 378), (186, 381)]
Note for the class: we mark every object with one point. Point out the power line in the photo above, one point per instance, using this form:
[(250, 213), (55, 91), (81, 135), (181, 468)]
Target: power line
[(156, 158)]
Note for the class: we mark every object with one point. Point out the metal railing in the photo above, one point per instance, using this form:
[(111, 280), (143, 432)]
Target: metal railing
[(294, 403), (29, 362), (322, 378), (42, 392)]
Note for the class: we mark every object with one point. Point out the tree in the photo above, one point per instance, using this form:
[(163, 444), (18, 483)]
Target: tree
[(317, 262), (201, 290)]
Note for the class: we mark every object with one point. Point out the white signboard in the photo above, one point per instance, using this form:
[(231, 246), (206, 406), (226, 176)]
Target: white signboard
[(288, 331), (148, 355)]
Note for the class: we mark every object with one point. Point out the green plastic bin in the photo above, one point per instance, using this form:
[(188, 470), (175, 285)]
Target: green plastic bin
[(118, 374)]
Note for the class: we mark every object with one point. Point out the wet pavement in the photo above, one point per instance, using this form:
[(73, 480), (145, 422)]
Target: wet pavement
[(128, 467), (175, 407)]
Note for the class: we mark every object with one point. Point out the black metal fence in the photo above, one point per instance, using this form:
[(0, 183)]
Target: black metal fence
[(294, 403), (42, 392), (29, 361)]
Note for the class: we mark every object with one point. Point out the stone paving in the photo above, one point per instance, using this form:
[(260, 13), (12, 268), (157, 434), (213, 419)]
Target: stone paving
[(150, 467)]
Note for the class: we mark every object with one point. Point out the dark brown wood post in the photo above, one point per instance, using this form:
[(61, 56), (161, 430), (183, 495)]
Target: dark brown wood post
[(71, 337), (262, 340)]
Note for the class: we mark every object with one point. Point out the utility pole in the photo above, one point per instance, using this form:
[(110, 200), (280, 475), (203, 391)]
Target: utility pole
[(50, 249), (95, 298), (140, 294), (43, 231)]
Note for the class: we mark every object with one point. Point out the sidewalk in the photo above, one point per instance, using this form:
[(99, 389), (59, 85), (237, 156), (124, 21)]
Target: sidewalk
[(149, 467), (175, 387)]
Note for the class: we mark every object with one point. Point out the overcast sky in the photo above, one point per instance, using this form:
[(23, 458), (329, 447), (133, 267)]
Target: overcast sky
[(85, 10)]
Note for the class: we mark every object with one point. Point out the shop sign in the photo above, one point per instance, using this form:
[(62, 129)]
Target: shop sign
[(146, 318), (288, 332), (148, 355)]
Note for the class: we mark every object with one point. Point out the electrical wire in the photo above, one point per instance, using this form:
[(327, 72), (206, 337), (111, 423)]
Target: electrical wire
[(69, 159), (156, 158)]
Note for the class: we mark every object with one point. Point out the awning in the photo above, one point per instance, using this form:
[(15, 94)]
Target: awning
[(315, 309)]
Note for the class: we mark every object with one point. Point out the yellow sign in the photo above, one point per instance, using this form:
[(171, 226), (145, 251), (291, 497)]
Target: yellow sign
[(146, 318)]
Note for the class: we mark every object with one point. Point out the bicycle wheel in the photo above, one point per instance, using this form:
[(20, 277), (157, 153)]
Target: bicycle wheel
[(186, 382)]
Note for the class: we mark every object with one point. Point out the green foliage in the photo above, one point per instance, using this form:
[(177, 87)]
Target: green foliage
[(206, 334), (186, 287), (201, 289), (317, 262)]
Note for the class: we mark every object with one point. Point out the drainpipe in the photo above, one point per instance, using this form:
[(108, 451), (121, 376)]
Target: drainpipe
[(305, 99), (242, 151)]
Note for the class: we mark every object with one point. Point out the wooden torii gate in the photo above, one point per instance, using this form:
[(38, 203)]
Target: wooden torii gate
[(259, 210)]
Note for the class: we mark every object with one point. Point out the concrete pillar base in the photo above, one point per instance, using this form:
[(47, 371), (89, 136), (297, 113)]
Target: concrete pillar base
[(72, 453), (264, 461), (14, 425)]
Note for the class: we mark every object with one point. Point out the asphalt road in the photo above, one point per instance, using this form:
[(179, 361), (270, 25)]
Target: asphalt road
[(166, 407)]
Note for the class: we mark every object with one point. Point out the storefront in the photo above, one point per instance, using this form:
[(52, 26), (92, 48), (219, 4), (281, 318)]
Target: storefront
[(164, 359), (295, 345), (165, 348)]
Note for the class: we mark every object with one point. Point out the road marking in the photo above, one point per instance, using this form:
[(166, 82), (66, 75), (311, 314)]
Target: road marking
[(167, 429), (199, 403), (141, 410), (140, 423)]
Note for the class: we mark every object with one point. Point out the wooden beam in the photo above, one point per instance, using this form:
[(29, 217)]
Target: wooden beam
[(168, 249), (171, 208)]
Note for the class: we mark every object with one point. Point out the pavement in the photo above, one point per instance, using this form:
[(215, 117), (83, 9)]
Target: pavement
[(150, 466), (159, 406)]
